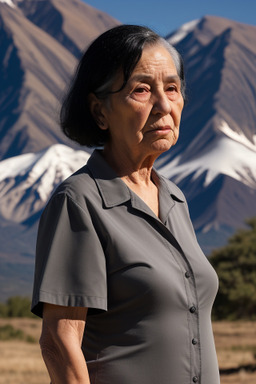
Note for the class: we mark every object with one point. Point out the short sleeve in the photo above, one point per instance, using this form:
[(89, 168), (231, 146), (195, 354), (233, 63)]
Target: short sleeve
[(70, 268)]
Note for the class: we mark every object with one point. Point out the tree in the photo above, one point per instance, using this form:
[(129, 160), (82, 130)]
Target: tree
[(16, 306), (235, 265)]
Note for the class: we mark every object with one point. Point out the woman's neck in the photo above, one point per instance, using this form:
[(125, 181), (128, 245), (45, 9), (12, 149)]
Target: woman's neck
[(136, 170), (137, 174)]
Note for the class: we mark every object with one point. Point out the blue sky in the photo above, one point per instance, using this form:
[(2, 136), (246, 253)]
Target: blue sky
[(164, 16)]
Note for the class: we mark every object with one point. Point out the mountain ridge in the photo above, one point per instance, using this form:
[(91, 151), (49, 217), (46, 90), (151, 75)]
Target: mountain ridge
[(45, 67), (69, 23), (218, 131)]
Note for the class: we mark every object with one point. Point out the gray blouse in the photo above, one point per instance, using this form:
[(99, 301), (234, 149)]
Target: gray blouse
[(147, 284)]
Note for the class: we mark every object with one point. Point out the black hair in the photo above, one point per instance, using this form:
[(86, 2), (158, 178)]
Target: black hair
[(119, 48)]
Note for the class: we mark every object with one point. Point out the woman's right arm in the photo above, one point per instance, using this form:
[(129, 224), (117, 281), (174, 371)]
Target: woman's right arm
[(60, 342)]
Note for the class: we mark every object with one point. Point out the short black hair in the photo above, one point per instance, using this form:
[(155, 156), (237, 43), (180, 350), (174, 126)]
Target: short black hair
[(119, 48)]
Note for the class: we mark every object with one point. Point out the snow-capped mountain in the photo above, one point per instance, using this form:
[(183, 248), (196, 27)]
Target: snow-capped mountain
[(27, 181), (214, 161)]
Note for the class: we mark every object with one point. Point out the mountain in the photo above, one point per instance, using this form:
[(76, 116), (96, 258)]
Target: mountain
[(213, 161), (40, 42), (26, 181), (72, 23)]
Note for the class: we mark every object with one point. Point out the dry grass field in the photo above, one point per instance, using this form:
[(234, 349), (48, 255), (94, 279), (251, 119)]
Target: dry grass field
[(21, 362), (236, 350)]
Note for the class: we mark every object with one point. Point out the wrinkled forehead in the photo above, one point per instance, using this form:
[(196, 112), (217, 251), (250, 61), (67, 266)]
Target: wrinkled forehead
[(156, 58)]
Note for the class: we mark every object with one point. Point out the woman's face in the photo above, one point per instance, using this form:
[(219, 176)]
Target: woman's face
[(143, 119)]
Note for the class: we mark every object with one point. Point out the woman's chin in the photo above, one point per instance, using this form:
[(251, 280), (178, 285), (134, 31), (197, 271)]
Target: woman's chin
[(163, 145)]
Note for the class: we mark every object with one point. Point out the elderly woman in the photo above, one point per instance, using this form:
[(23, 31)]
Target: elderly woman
[(123, 287)]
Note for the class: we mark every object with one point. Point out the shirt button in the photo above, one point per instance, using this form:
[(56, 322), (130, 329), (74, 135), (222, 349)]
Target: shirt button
[(192, 309), (187, 274), (194, 341), (195, 379)]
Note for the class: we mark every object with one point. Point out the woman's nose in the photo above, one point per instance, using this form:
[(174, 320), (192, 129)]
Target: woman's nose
[(161, 104)]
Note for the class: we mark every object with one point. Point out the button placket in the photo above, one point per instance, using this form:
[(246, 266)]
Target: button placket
[(193, 315), (194, 328)]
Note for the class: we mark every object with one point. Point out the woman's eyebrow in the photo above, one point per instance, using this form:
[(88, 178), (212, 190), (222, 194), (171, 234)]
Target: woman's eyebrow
[(142, 76), (146, 76)]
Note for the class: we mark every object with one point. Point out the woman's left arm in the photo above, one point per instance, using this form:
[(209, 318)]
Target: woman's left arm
[(60, 342)]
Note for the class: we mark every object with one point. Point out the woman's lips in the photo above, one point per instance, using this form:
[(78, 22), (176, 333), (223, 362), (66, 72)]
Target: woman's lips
[(161, 130)]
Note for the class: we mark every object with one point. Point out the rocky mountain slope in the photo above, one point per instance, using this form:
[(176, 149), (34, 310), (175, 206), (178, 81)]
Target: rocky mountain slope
[(40, 42)]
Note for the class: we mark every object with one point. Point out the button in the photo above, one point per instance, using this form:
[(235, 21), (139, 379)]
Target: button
[(194, 341), (195, 379), (192, 309), (187, 274)]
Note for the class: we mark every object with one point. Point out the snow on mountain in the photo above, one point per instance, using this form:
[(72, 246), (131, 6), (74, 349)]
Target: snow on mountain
[(182, 32), (8, 2), (231, 154), (238, 136), (26, 181)]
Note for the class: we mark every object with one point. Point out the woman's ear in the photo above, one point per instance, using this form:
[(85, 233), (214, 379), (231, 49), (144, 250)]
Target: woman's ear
[(97, 107)]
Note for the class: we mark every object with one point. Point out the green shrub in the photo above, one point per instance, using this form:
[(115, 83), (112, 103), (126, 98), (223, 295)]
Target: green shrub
[(235, 265), (3, 310), (16, 306)]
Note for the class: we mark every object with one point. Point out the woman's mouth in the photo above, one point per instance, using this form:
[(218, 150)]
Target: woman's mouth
[(163, 130)]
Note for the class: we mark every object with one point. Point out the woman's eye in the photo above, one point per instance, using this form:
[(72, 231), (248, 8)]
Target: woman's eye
[(141, 90), (141, 93), (172, 88)]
